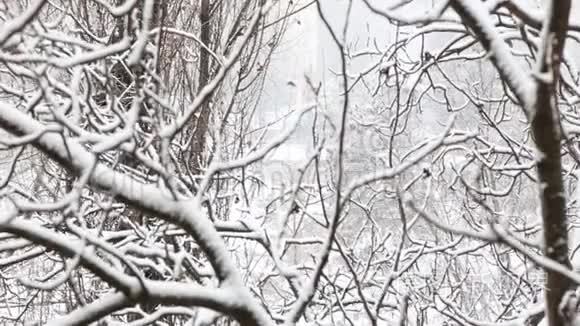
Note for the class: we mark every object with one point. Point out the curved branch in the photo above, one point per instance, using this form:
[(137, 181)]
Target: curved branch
[(147, 197)]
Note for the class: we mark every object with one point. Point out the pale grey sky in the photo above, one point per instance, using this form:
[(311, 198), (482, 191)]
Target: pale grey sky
[(307, 49)]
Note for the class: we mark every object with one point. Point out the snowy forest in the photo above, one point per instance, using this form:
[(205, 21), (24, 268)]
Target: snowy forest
[(290, 162)]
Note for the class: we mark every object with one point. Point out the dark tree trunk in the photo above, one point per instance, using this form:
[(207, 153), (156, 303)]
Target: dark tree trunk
[(200, 124), (548, 138), (545, 121)]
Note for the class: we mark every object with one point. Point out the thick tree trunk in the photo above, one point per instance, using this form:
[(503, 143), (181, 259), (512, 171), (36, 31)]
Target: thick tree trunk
[(546, 131), (200, 124), (545, 120), (545, 128)]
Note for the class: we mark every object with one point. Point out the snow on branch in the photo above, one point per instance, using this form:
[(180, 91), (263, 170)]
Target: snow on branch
[(187, 213), (475, 15), (15, 25)]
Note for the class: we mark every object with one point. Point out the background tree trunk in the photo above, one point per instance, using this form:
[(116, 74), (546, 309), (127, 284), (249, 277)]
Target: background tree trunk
[(200, 124)]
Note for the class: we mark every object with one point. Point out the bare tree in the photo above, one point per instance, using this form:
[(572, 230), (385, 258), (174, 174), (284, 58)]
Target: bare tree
[(140, 183)]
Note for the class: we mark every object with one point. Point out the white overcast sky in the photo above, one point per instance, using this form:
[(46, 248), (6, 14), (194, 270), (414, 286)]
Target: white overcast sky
[(307, 50)]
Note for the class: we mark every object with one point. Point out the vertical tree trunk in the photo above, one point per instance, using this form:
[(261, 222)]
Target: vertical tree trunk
[(545, 121), (135, 79), (200, 125), (546, 131)]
